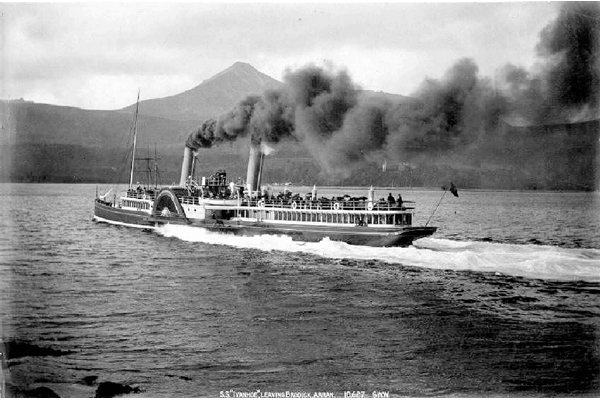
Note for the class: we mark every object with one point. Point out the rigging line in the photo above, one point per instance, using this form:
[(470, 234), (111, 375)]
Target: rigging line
[(137, 105), (436, 207), (124, 159), (123, 156), (130, 135), (155, 167)]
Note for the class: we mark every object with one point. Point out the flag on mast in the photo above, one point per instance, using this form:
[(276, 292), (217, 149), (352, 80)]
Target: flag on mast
[(453, 189)]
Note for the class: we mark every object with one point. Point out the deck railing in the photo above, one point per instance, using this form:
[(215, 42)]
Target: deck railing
[(335, 205), (322, 204), (293, 204), (140, 195)]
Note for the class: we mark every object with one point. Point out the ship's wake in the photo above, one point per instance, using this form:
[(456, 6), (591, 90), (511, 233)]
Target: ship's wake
[(532, 261)]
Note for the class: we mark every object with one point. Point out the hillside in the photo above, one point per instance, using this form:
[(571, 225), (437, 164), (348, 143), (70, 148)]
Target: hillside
[(47, 143), (32, 123), (212, 97), (42, 142)]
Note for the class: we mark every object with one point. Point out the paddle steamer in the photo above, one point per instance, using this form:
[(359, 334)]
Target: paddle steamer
[(219, 205)]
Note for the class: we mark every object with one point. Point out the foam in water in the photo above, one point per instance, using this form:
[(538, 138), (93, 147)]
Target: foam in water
[(532, 261)]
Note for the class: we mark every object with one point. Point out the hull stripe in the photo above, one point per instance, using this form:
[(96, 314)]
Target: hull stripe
[(107, 221)]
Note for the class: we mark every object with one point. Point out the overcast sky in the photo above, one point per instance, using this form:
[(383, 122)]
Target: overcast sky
[(96, 56)]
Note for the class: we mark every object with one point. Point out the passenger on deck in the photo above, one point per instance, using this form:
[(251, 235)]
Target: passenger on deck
[(391, 199), (399, 200)]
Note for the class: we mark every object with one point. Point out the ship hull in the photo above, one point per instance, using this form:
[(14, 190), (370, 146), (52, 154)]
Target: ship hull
[(106, 213), (359, 236)]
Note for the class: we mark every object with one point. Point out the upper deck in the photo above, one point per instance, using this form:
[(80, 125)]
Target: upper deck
[(296, 203), (336, 204)]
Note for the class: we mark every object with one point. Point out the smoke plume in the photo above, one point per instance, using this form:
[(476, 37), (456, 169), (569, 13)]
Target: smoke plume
[(227, 128), (456, 115), (566, 86), (572, 44)]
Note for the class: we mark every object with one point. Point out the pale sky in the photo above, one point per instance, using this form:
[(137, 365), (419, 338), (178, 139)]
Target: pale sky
[(97, 55)]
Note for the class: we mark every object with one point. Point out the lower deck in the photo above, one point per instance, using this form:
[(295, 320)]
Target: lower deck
[(323, 217), (359, 221)]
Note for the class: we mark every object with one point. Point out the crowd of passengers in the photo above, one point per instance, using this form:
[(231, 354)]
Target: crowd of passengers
[(345, 201), (288, 198)]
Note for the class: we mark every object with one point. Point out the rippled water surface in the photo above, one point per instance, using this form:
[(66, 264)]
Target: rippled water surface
[(501, 301)]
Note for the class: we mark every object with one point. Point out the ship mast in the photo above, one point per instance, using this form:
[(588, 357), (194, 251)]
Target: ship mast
[(155, 168), (137, 105)]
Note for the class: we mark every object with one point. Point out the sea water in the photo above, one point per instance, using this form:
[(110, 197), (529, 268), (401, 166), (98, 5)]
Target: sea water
[(502, 300)]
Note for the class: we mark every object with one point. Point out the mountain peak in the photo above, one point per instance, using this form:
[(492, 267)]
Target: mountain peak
[(243, 71), (213, 96), (241, 64)]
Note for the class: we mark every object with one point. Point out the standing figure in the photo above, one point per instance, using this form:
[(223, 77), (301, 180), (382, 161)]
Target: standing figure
[(390, 199)]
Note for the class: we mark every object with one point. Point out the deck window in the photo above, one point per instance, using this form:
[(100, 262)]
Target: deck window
[(403, 219)]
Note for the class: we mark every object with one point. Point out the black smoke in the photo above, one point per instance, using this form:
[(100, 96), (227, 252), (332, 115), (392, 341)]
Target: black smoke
[(566, 85), (324, 110), (571, 44), (456, 116), (229, 127)]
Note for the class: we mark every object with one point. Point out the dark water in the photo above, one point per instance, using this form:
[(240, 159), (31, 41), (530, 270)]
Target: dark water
[(502, 301)]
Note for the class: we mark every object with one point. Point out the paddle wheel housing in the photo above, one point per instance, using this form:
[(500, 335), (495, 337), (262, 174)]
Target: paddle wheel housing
[(167, 205)]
